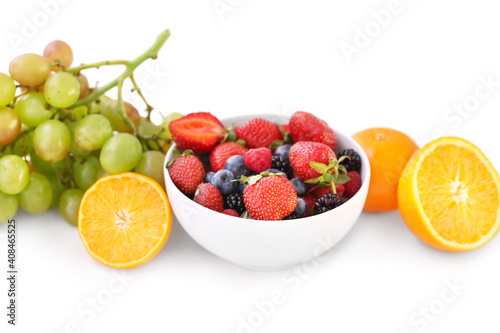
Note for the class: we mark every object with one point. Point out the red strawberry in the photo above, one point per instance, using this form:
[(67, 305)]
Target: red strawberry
[(220, 154), (286, 128), (198, 131), (269, 198), (340, 189), (230, 212), (305, 126), (353, 185), (302, 153), (258, 159), (310, 201), (187, 173), (318, 192), (259, 133), (209, 196)]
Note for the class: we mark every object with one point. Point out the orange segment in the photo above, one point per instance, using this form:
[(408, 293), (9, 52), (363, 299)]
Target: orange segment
[(124, 220), (449, 195)]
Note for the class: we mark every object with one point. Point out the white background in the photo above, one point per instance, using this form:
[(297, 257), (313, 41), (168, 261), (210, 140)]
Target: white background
[(274, 57)]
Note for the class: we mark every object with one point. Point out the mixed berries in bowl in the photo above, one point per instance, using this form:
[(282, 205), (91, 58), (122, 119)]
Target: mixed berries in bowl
[(264, 191)]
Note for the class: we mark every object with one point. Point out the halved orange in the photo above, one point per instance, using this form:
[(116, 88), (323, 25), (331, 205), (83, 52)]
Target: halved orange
[(124, 219), (449, 195)]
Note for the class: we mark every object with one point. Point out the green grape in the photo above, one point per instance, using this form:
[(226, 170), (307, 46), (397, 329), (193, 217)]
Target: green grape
[(37, 196), (58, 51), (151, 165), (74, 148), (14, 174), (69, 204), (166, 122), (102, 173), (33, 109), (148, 129), (110, 111), (80, 112), (8, 206), (92, 132), (57, 189), (23, 145), (29, 69), (97, 105), (61, 90), (10, 125), (84, 85), (121, 153), (6, 151), (7, 89), (52, 140), (85, 172), (46, 167)]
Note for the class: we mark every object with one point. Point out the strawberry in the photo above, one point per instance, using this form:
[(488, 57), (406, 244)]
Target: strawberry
[(230, 212), (220, 154), (303, 153), (259, 133), (269, 197), (286, 128), (258, 159), (186, 172), (340, 189), (305, 126), (198, 131), (209, 196), (310, 201), (353, 185)]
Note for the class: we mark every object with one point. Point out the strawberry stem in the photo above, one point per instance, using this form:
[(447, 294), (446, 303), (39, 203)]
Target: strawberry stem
[(334, 189)]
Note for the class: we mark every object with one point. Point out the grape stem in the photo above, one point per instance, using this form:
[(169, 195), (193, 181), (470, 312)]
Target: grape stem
[(96, 65), (151, 52), (149, 108), (121, 108)]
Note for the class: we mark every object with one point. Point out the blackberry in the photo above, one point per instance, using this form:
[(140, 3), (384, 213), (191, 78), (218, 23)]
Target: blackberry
[(327, 202), (235, 201), (352, 164), (292, 216), (282, 164)]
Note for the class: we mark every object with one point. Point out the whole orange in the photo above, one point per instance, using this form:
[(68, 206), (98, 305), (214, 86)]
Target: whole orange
[(388, 151)]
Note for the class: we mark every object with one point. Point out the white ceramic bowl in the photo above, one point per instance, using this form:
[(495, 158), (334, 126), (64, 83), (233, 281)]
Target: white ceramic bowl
[(268, 245)]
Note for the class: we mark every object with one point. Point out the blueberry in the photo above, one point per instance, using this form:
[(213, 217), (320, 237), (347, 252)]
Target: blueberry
[(275, 171), (301, 207), (299, 185), (283, 150), (223, 181), (208, 177), (236, 164), (241, 187)]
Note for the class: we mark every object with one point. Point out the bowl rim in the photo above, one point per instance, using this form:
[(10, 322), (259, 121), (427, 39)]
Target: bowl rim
[(310, 219)]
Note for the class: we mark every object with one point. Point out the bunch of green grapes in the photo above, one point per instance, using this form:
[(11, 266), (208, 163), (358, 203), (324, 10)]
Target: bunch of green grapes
[(52, 151)]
